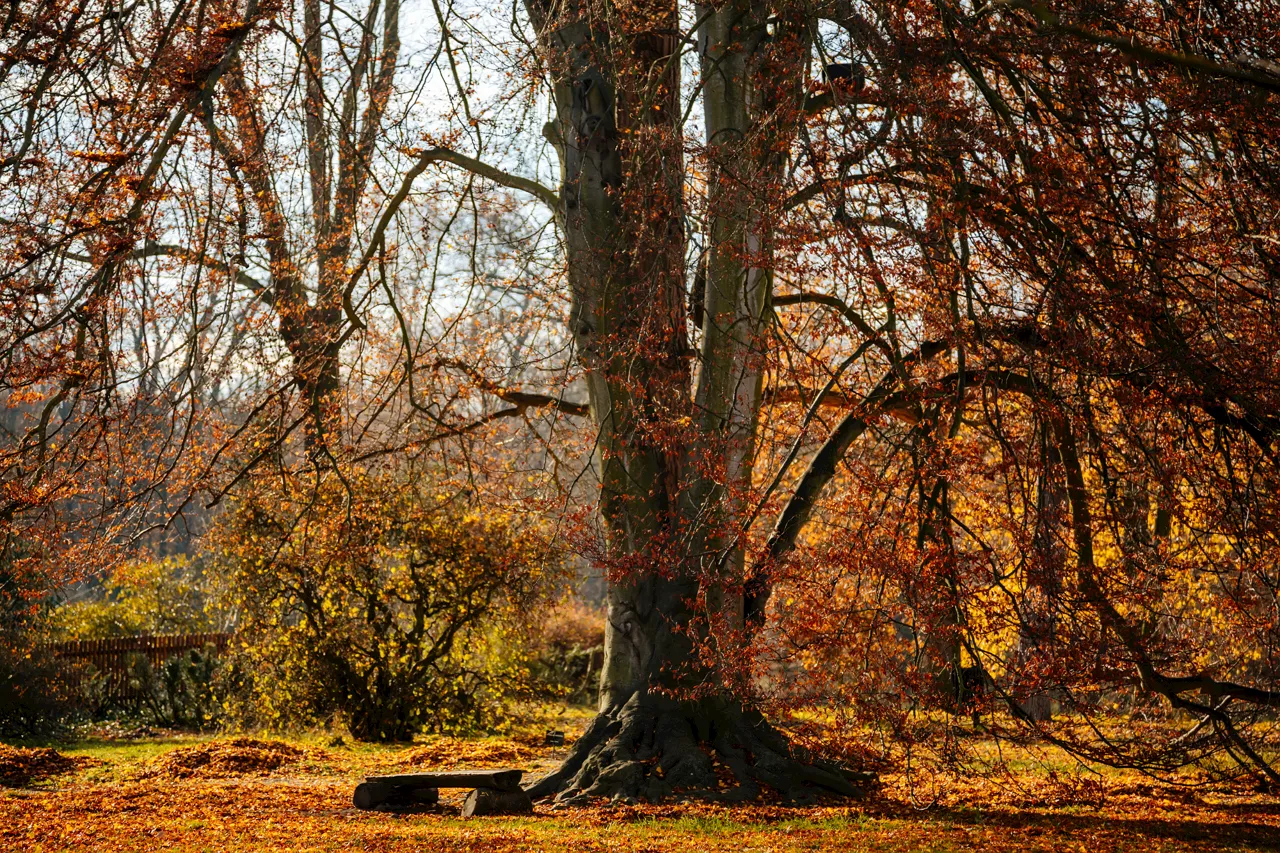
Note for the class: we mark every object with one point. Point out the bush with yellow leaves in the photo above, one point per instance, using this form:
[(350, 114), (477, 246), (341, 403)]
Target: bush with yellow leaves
[(373, 600)]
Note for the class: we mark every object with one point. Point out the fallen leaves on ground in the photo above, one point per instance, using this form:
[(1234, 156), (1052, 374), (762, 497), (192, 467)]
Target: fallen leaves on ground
[(19, 767), (302, 804), (222, 758), (457, 752), (307, 814)]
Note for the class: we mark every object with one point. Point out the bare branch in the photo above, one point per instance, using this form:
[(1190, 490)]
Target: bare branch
[(522, 399), (1251, 72)]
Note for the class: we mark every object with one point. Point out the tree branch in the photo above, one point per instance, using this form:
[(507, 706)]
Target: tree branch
[(822, 468), (151, 249), (854, 318), (484, 170), (262, 291), (1048, 20), (425, 159), (521, 399)]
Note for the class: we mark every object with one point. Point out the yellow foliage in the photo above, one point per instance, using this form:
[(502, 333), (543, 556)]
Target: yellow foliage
[(370, 600)]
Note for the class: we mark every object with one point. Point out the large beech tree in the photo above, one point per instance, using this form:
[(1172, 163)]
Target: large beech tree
[(985, 124), (677, 425), (955, 321)]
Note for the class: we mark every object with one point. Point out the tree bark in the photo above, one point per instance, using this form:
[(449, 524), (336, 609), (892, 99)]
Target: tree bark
[(674, 454)]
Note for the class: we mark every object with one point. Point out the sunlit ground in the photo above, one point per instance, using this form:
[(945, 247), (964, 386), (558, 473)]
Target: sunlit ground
[(146, 793)]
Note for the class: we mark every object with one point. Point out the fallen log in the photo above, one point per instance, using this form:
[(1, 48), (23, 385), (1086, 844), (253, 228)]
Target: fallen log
[(487, 801)]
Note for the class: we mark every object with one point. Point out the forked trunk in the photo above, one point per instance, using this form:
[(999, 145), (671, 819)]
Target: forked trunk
[(673, 453)]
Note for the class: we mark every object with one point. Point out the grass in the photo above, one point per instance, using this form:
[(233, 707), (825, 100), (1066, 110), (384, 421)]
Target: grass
[(306, 807)]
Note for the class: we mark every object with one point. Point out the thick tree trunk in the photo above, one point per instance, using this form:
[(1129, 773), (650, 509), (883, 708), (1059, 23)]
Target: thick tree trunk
[(653, 747), (672, 460), (747, 129), (621, 216)]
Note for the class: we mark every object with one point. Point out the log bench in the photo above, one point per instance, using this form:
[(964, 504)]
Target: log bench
[(493, 791)]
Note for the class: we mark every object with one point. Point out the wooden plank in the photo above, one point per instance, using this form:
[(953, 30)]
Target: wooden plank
[(498, 780)]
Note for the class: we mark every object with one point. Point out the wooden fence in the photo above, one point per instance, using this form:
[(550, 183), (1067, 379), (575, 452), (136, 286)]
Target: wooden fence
[(109, 660)]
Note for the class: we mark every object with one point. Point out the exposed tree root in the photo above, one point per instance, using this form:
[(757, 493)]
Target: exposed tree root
[(653, 749)]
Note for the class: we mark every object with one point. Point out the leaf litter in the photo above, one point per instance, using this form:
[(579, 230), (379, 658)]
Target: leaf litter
[(223, 758), (20, 766)]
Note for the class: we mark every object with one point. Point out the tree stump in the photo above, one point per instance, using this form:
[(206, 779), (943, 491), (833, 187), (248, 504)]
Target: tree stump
[(370, 795), (487, 801)]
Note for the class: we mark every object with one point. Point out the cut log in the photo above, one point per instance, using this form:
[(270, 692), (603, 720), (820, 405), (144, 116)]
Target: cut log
[(498, 780), (483, 801), (371, 795)]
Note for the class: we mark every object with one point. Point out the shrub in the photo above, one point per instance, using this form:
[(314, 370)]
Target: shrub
[(182, 692), (371, 600), (177, 595), (37, 698)]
